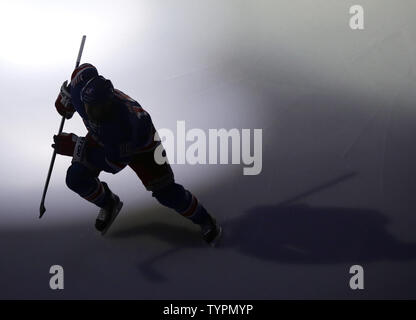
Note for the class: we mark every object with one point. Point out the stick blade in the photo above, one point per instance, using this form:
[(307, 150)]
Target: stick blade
[(42, 210)]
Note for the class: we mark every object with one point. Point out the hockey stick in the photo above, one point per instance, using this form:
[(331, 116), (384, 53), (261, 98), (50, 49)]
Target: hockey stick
[(42, 208)]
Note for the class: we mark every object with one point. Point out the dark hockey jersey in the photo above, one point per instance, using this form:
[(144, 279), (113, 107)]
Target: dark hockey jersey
[(130, 130)]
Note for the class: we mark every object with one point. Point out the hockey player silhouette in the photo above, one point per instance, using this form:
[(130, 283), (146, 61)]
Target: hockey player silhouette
[(120, 134)]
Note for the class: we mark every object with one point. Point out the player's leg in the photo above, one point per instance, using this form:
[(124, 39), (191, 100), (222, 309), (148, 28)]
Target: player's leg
[(176, 197), (82, 178), (85, 182), (159, 179)]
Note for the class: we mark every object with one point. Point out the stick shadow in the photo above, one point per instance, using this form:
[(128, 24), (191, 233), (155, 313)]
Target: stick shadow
[(289, 232), (298, 233)]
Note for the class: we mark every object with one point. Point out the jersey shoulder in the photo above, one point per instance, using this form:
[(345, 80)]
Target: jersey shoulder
[(133, 108)]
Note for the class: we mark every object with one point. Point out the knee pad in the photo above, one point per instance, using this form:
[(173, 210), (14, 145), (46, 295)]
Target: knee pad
[(79, 178)]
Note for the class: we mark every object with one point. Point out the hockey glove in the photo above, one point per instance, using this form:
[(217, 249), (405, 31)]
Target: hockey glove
[(68, 144), (63, 102)]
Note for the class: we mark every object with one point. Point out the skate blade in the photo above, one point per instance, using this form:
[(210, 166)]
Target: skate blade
[(120, 205), (217, 239)]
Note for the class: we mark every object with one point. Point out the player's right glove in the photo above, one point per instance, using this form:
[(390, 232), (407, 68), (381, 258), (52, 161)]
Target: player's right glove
[(66, 143), (69, 144), (63, 102)]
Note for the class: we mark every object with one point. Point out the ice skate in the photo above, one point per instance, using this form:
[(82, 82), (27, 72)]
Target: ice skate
[(107, 215), (211, 232)]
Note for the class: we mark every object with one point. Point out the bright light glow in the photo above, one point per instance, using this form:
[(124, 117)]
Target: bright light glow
[(39, 33)]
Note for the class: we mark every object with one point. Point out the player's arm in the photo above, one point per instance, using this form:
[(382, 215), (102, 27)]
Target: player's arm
[(63, 103), (67, 143), (86, 151)]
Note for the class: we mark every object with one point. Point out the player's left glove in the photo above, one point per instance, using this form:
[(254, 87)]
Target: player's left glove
[(63, 103)]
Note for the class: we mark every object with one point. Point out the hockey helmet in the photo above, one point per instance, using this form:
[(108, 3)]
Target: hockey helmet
[(83, 73), (97, 90)]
